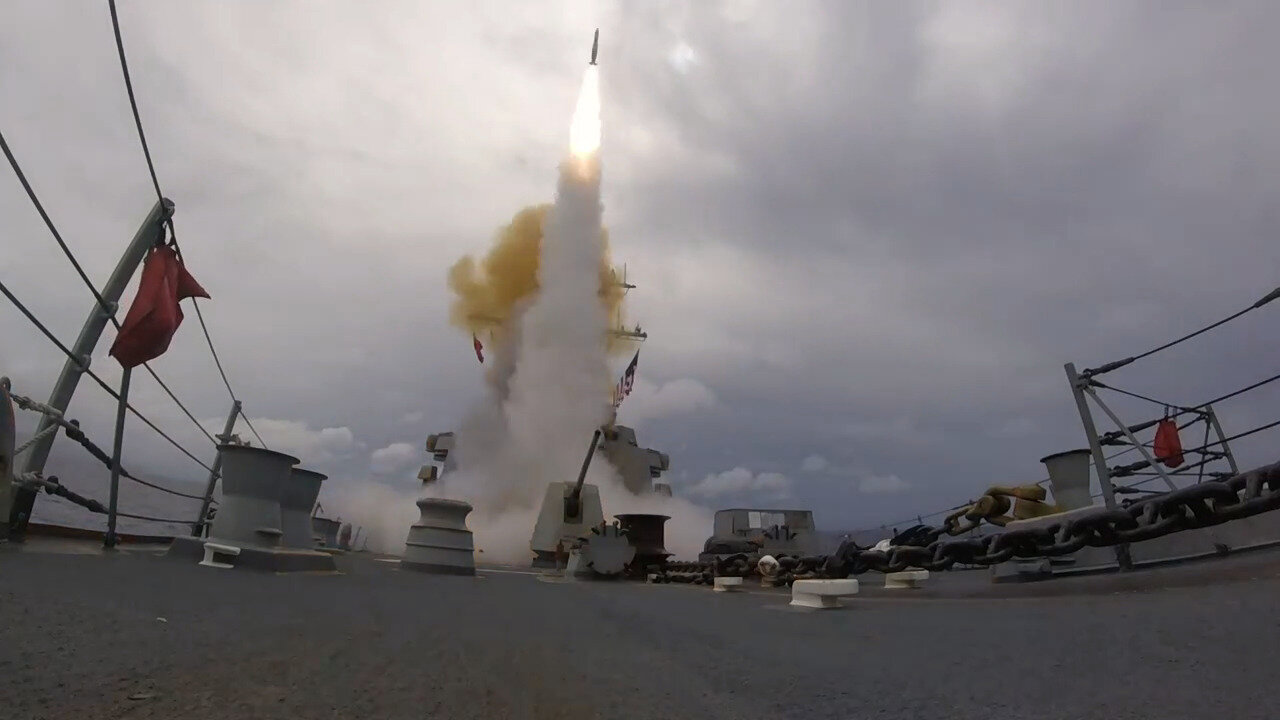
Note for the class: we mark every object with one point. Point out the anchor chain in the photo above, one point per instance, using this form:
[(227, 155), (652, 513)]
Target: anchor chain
[(1205, 504)]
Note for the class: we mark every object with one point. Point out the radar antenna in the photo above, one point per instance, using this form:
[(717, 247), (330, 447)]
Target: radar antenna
[(618, 331)]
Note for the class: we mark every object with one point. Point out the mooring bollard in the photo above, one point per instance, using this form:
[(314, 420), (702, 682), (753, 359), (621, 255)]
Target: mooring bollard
[(263, 522), (1069, 479), (253, 480), (440, 542), (296, 502), (646, 533)]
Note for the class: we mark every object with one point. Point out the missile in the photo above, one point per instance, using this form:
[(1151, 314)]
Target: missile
[(595, 46)]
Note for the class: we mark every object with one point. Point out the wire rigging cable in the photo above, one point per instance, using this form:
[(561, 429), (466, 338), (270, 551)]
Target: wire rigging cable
[(1183, 410), (133, 103), (155, 182), (252, 429), (148, 518), (57, 236), (102, 302), (73, 431), (1244, 390), (1247, 433), (102, 383), (1179, 408), (1274, 294)]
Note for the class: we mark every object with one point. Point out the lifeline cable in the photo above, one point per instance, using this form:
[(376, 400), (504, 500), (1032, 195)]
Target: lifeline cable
[(1117, 364), (102, 302), (57, 489), (1195, 409), (252, 429), (1202, 450), (155, 181), (102, 383)]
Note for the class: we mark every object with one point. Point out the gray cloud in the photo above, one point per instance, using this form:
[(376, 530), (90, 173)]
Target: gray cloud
[(868, 233)]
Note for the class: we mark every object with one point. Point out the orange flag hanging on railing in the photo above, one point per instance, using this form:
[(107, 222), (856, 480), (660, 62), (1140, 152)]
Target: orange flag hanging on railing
[(155, 315), (1168, 446)]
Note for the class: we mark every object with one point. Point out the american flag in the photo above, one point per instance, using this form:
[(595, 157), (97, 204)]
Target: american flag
[(629, 377)]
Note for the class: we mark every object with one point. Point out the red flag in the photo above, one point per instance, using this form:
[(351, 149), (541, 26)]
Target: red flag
[(1168, 446), (155, 315), (479, 348)]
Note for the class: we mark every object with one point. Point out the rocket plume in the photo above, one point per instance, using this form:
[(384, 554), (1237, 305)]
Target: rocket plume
[(544, 279), (546, 293), (584, 132), (490, 291)]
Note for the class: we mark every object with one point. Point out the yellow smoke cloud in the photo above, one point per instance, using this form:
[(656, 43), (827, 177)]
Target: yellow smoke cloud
[(487, 290)]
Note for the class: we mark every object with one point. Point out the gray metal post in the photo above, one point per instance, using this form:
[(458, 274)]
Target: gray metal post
[(1208, 426), (1099, 460), (1217, 428), (150, 233), (1133, 440), (109, 540), (215, 471)]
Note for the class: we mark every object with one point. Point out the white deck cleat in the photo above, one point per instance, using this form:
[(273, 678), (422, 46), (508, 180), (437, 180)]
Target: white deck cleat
[(727, 584), (822, 593), (213, 550), (907, 579)]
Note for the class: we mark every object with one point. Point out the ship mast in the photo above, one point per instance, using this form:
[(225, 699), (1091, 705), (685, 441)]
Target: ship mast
[(618, 331)]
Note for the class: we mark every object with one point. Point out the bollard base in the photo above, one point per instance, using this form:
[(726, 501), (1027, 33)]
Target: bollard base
[(822, 594), (189, 549), (905, 580), (1014, 571), (727, 584), (438, 568)]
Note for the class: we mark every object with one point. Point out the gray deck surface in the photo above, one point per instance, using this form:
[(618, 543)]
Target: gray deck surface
[(81, 637)]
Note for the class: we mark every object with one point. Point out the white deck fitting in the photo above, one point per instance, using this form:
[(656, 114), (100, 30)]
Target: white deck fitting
[(727, 584), (822, 593), (908, 579), (1021, 568), (212, 549)]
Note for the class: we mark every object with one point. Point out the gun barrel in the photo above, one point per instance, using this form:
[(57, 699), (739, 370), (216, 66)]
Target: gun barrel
[(586, 463)]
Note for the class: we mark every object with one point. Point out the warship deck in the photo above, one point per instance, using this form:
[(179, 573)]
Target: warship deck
[(132, 635)]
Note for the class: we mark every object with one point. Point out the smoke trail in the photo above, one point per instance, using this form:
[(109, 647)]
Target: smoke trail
[(535, 426), (547, 288), (489, 291), (550, 387)]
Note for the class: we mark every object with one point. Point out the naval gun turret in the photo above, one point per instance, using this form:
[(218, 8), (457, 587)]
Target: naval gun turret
[(569, 511), (639, 467)]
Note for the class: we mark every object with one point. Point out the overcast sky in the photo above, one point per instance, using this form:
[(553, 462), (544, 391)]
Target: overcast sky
[(866, 236)]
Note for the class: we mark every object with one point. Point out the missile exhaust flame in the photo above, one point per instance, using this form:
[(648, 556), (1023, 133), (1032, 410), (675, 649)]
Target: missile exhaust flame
[(584, 132), (554, 380)]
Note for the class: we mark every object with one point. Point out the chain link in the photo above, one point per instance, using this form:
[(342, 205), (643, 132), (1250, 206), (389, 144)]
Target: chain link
[(1197, 506)]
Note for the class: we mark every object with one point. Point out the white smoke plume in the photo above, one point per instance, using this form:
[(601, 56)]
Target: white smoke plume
[(549, 389), (535, 426)]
